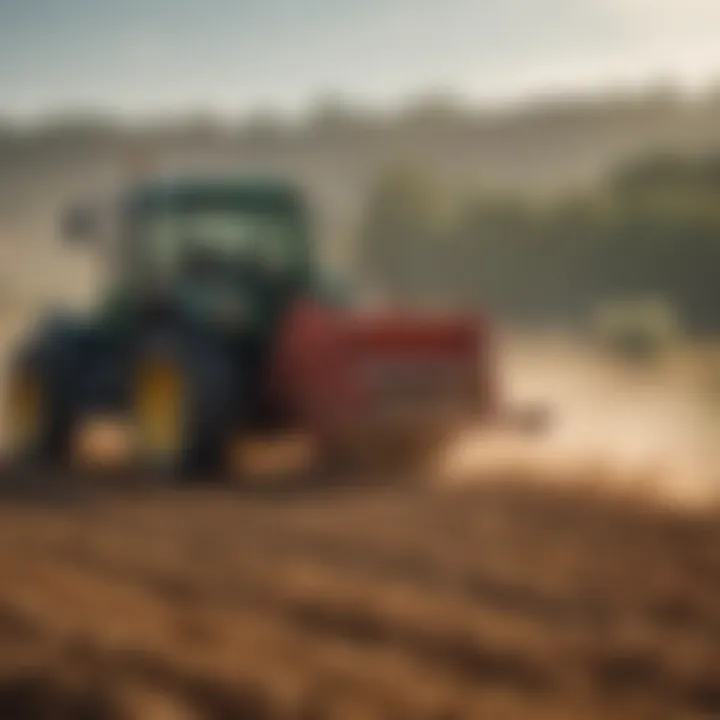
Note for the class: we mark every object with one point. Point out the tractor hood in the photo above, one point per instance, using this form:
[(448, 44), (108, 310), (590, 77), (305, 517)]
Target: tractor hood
[(230, 307)]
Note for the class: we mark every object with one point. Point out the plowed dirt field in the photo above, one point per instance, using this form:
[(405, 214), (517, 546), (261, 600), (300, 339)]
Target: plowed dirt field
[(500, 599)]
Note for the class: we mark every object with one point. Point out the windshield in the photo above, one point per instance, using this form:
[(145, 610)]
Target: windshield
[(166, 239)]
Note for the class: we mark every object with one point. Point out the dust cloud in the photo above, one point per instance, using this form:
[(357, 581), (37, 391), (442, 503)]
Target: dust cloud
[(650, 427)]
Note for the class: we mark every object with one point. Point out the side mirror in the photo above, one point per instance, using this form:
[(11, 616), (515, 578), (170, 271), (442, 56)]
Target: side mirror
[(80, 224)]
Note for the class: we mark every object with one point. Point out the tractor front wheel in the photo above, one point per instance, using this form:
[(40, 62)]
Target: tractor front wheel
[(39, 416), (181, 408)]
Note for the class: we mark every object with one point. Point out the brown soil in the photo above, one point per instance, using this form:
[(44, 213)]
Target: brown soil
[(498, 600)]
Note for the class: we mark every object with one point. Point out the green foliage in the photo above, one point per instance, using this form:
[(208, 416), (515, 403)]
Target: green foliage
[(654, 230), (405, 218), (637, 330)]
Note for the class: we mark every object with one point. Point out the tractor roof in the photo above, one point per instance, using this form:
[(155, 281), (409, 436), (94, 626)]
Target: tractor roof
[(244, 191)]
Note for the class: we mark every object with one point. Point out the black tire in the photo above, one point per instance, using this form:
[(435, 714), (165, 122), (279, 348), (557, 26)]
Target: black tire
[(208, 386), (51, 370)]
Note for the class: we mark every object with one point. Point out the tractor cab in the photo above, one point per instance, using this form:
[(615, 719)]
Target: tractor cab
[(225, 254)]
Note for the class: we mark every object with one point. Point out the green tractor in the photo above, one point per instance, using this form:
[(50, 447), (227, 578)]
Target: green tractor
[(215, 327), (204, 271)]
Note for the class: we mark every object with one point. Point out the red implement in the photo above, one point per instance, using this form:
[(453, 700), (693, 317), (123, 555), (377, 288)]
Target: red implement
[(351, 376)]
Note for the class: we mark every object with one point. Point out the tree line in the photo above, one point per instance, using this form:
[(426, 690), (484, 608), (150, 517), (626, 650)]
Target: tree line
[(651, 230)]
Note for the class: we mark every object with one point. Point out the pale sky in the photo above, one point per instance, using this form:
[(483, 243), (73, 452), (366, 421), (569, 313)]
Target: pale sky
[(165, 56)]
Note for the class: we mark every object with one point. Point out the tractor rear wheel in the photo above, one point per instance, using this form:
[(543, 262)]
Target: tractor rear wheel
[(181, 408)]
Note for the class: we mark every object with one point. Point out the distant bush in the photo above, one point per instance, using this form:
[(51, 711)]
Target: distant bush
[(709, 386), (637, 329)]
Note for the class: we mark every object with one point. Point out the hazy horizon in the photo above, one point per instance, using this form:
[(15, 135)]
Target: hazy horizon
[(161, 57)]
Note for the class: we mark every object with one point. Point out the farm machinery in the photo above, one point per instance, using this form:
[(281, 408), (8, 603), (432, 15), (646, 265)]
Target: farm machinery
[(216, 325)]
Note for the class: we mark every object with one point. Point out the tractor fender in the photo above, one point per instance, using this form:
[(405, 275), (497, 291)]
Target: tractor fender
[(56, 341)]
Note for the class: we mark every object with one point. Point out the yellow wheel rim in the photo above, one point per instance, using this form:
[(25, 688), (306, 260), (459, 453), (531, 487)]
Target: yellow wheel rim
[(24, 410), (158, 408)]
